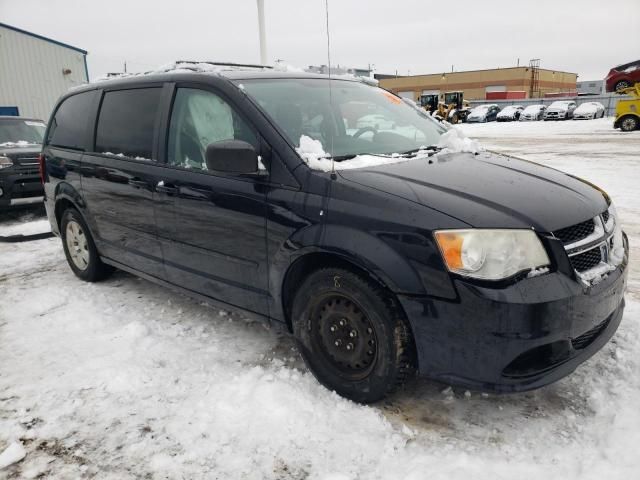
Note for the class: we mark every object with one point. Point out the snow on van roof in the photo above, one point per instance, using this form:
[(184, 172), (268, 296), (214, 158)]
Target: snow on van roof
[(188, 66)]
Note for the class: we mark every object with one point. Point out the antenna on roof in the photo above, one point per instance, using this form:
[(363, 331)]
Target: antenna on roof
[(326, 8)]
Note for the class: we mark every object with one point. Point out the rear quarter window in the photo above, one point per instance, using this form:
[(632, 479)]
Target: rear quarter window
[(126, 122), (68, 126)]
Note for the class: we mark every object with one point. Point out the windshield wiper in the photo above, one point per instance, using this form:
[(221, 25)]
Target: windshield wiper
[(430, 148), (349, 156)]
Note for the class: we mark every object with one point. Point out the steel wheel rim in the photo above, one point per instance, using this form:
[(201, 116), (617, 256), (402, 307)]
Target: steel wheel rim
[(344, 335), (77, 245)]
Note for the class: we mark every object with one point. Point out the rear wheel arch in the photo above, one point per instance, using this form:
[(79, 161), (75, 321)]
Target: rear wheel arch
[(62, 204)]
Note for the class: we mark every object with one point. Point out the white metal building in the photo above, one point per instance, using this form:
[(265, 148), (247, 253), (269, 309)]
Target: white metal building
[(35, 71)]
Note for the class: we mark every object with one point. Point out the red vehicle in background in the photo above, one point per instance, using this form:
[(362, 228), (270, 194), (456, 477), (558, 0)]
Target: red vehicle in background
[(623, 76)]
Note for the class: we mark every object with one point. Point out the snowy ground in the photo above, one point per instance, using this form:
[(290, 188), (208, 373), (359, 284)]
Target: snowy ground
[(124, 379)]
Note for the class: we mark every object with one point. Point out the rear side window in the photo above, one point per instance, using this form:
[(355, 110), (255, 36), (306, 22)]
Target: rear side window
[(69, 125), (126, 122)]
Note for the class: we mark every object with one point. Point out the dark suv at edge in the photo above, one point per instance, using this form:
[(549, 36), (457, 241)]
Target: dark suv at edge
[(476, 269), (20, 145)]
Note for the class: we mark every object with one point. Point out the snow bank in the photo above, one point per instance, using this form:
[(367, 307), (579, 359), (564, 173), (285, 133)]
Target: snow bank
[(12, 454)]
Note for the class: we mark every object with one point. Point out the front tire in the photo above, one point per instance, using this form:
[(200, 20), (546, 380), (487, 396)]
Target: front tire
[(80, 249), (352, 335)]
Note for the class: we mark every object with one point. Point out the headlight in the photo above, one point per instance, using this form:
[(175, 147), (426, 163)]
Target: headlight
[(612, 220), (616, 245), (491, 254), (5, 162)]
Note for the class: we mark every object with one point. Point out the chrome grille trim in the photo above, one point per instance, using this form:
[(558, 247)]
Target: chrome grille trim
[(600, 239)]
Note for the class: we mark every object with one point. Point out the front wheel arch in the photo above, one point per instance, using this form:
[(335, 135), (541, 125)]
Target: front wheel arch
[(309, 263)]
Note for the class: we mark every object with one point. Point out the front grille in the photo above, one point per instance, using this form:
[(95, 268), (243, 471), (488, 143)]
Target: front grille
[(28, 169), (576, 232), (586, 260), (587, 338)]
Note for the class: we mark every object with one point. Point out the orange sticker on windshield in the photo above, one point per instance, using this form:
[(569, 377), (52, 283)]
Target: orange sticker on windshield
[(392, 98)]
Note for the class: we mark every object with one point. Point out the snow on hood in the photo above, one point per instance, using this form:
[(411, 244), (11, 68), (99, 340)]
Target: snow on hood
[(533, 109), (586, 108), (19, 143), (508, 111), (559, 106), (312, 153)]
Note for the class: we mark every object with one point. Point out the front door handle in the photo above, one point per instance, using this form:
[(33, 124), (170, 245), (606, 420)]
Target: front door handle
[(136, 182), (167, 188)]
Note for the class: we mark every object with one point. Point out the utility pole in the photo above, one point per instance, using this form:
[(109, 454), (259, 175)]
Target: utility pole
[(263, 33)]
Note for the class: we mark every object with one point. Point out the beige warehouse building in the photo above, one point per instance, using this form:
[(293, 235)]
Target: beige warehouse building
[(477, 83)]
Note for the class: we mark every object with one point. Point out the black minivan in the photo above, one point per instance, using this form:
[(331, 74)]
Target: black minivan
[(330, 207)]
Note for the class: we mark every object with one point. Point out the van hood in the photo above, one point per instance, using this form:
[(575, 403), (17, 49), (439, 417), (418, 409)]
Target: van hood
[(488, 190)]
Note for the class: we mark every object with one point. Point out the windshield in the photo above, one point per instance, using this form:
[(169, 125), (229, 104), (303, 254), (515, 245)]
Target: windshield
[(559, 104), (533, 108), (353, 119), (14, 130)]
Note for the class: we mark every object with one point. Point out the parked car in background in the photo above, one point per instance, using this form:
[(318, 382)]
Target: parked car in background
[(510, 113), (623, 76), (560, 110), (588, 111), (483, 113), (20, 145), (533, 113)]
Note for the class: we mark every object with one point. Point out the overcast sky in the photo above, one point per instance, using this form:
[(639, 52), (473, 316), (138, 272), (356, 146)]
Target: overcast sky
[(411, 36)]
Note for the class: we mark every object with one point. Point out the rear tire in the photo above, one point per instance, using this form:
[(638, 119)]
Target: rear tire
[(352, 335), (80, 249), (629, 123)]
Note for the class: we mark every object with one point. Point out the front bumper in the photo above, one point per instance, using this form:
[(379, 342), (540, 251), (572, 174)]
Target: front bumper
[(19, 189), (517, 338), (555, 115)]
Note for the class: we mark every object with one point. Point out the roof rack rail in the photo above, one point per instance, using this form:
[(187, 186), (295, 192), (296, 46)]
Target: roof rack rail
[(227, 64)]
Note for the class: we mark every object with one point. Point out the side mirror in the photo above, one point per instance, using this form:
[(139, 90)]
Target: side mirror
[(232, 156)]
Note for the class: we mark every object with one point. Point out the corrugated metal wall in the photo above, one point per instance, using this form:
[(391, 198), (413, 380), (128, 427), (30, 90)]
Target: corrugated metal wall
[(31, 72)]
